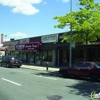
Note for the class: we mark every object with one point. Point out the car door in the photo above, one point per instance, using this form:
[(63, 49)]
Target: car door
[(85, 69), (5, 60), (74, 69), (78, 66)]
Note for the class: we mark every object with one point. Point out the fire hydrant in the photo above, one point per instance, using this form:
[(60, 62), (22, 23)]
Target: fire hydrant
[(47, 65)]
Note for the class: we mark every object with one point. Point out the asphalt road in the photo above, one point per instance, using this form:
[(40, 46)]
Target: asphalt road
[(26, 84)]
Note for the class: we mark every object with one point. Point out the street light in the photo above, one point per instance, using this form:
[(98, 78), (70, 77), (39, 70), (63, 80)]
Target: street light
[(70, 48)]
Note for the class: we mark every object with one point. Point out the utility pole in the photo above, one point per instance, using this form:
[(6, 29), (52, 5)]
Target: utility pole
[(70, 47)]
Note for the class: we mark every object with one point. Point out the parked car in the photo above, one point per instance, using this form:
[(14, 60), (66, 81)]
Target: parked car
[(82, 69), (9, 61)]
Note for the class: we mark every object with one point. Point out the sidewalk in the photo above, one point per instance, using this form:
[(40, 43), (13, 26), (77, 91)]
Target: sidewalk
[(41, 68)]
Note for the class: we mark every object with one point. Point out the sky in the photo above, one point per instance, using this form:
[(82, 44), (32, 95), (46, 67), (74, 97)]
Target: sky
[(30, 18)]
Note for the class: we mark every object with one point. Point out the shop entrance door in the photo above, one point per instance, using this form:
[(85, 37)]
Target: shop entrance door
[(38, 58), (63, 57)]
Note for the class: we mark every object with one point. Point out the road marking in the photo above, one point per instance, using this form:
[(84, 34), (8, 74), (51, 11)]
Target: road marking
[(11, 81), (45, 77)]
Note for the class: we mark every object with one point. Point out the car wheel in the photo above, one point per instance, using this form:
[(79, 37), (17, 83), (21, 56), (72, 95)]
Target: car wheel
[(18, 67), (93, 77)]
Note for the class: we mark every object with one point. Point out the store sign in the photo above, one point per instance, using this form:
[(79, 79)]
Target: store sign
[(28, 46), (10, 43), (94, 43), (24, 40), (63, 36), (6, 43), (13, 43), (11, 48), (49, 38)]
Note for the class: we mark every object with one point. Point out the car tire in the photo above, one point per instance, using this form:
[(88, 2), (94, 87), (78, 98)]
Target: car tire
[(18, 67), (93, 77)]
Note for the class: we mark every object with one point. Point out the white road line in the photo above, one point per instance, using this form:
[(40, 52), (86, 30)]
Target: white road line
[(11, 81), (45, 77)]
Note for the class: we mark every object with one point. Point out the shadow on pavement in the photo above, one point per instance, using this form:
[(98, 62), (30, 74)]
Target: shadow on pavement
[(84, 88), (53, 74)]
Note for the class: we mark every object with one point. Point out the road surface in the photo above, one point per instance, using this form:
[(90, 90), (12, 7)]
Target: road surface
[(26, 84)]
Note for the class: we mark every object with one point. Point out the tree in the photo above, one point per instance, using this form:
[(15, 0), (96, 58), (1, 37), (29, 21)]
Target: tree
[(85, 22)]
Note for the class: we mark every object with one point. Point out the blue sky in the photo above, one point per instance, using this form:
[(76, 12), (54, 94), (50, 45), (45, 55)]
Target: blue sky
[(29, 18)]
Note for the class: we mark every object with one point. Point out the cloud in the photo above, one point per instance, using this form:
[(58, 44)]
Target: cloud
[(65, 1), (18, 35), (22, 6), (45, 3)]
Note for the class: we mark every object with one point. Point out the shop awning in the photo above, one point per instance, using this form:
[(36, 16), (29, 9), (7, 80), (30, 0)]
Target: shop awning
[(30, 46), (4, 48)]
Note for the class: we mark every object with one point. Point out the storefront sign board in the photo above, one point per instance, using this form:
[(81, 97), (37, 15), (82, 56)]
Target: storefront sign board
[(28, 46), (49, 38)]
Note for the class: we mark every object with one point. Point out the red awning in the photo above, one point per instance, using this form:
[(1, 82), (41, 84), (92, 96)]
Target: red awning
[(4, 48)]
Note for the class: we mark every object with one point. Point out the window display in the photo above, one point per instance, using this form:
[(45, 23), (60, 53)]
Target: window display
[(38, 58), (31, 57), (44, 55), (50, 53), (23, 56), (47, 55)]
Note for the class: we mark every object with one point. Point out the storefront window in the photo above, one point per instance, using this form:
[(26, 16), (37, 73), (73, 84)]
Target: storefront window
[(47, 55), (23, 56), (50, 53), (38, 58), (44, 55), (31, 57)]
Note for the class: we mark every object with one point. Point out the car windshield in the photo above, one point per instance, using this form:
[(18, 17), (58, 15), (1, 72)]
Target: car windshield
[(97, 64)]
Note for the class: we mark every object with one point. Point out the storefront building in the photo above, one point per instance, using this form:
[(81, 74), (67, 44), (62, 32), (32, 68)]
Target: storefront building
[(10, 48), (26, 49), (50, 48), (35, 56)]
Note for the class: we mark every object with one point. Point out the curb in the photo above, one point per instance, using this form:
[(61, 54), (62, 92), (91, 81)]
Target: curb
[(39, 68)]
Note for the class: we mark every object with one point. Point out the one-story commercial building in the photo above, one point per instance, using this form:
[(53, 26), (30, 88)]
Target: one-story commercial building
[(49, 48)]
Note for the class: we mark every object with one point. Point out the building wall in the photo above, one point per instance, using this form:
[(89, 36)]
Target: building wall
[(60, 49)]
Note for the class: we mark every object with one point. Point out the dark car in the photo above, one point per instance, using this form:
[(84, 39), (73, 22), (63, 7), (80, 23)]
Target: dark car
[(9, 61), (82, 69)]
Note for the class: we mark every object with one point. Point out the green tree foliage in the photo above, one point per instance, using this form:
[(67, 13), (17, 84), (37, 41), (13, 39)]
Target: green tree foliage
[(85, 22)]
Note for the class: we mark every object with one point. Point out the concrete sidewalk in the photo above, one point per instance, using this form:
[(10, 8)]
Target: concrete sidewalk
[(42, 68)]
